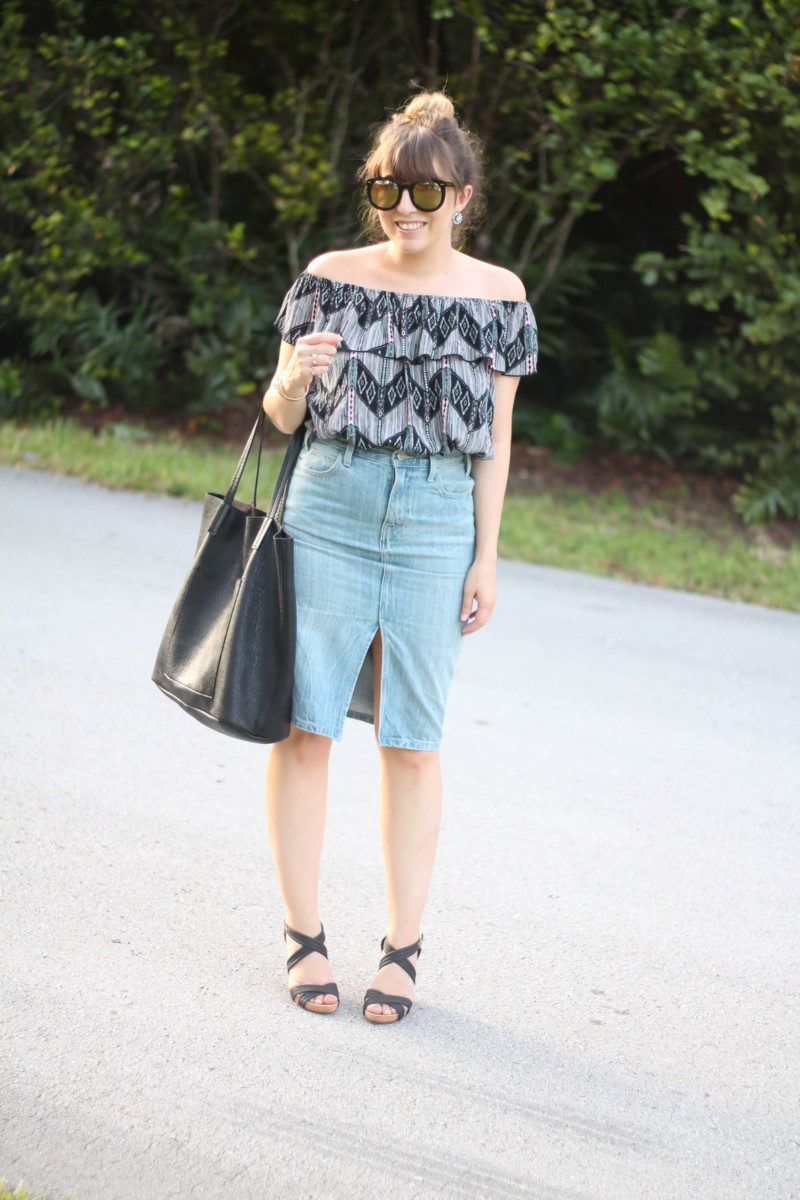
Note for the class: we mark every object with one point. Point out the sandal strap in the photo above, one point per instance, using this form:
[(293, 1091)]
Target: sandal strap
[(307, 991), (401, 956), (400, 1004), (308, 945)]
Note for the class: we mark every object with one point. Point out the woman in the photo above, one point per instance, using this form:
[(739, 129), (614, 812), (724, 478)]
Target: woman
[(401, 358)]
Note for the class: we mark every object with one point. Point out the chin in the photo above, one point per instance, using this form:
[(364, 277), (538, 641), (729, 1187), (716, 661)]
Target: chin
[(411, 245)]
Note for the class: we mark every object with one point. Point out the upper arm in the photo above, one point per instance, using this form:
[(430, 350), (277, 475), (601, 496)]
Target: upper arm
[(505, 389)]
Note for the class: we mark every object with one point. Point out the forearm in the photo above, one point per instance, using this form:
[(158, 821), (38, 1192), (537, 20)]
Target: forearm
[(286, 414), (491, 478)]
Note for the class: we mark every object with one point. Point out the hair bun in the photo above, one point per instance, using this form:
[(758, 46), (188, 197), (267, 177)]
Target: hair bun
[(429, 104)]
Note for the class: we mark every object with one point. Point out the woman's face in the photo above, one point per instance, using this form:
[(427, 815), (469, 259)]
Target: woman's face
[(413, 231)]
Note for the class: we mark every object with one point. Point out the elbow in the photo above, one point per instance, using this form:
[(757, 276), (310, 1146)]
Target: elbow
[(266, 407), (288, 432)]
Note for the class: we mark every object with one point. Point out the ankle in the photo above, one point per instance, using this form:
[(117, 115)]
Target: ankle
[(304, 922), (403, 938)]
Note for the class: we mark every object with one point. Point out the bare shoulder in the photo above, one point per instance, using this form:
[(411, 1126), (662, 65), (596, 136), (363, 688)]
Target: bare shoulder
[(497, 283), (341, 265)]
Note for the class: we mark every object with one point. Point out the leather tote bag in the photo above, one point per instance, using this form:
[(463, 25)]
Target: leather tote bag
[(227, 654)]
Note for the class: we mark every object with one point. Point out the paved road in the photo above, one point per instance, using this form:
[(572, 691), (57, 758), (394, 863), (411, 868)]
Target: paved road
[(607, 1005)]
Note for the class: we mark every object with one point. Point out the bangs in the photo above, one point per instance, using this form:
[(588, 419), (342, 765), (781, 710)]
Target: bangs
[(409, 154)]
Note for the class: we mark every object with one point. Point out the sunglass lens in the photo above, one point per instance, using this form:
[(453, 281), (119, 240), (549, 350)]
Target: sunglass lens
[(383, 193), (427, 196)]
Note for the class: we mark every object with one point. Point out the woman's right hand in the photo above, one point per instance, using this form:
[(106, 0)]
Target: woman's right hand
[(311, 358)]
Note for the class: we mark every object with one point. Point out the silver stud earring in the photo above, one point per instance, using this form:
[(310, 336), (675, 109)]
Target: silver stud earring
[(457, 217)]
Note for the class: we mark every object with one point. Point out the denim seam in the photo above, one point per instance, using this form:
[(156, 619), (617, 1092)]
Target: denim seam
[(310, 727), (409, 744)]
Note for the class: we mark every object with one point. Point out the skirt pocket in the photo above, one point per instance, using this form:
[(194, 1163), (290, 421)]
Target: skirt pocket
[(454, 481), (319, 458)]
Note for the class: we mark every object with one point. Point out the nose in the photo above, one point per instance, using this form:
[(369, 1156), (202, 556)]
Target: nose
[(405, 207)]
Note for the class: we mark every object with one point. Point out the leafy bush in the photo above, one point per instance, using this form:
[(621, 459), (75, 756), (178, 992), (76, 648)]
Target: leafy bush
[(128, 162), (164, 180)]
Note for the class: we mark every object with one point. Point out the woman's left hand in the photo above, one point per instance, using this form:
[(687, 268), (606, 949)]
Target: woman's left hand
[(480, 585)]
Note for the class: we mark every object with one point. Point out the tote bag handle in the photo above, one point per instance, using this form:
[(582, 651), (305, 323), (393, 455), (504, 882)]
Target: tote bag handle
[(279, 495)]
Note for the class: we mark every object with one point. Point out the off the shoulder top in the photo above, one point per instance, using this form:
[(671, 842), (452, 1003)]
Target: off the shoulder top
[(411, 371)]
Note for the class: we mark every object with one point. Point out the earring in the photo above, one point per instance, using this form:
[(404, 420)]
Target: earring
[(457, 217)]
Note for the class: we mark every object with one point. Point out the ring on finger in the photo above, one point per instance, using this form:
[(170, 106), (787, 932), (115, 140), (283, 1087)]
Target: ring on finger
[(313, 360)]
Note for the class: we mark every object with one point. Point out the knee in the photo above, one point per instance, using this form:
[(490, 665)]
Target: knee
[(413, 762), (308, 747)]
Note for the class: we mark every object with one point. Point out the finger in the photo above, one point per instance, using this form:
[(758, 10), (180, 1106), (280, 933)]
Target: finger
[(321, 337), (479, 618), (475, 623), (316, 361)]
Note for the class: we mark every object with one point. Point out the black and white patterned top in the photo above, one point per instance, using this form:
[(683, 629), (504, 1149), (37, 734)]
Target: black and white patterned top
[(412, 371)]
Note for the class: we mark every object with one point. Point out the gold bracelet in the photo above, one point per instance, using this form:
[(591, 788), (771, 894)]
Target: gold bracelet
[(282, 393)]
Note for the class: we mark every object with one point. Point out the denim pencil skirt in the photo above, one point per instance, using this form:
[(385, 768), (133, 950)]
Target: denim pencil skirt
[(383, 539)]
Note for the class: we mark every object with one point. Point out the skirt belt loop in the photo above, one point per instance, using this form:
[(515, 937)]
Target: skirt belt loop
[(348, 453), (433, 467)]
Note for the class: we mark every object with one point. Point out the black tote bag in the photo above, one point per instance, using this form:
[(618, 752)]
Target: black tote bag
[(227, 654)]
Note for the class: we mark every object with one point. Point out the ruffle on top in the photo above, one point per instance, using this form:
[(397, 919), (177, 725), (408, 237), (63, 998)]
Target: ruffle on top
[(411, 371)]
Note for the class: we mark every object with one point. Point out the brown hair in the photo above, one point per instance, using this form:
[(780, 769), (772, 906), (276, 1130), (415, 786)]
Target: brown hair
[(407, 146)]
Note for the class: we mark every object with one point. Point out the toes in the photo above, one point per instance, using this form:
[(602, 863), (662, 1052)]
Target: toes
[(319, 998)]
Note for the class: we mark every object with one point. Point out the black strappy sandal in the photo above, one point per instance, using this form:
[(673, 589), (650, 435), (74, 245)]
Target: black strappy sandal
[(400, 1004), (303, 993)]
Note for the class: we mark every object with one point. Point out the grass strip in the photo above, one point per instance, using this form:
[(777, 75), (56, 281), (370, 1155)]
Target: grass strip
[(655, 541)]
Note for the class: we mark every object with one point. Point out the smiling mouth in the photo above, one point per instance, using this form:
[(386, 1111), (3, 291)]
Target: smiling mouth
[(410, 226)]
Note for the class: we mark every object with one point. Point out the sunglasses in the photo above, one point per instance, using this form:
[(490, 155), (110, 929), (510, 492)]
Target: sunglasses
[(426, 195)]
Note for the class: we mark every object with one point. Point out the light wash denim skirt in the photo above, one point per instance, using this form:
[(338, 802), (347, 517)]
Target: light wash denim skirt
[(383, 539)]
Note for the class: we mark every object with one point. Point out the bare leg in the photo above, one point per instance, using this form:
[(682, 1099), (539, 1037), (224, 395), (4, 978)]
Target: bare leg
[(411, 807), (296, 799)]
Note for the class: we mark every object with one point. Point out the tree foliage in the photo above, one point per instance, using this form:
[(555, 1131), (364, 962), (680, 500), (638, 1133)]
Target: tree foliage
[(167, 172)]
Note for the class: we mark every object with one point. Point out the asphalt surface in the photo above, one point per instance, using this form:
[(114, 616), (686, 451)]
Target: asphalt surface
[(607, 1001)]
